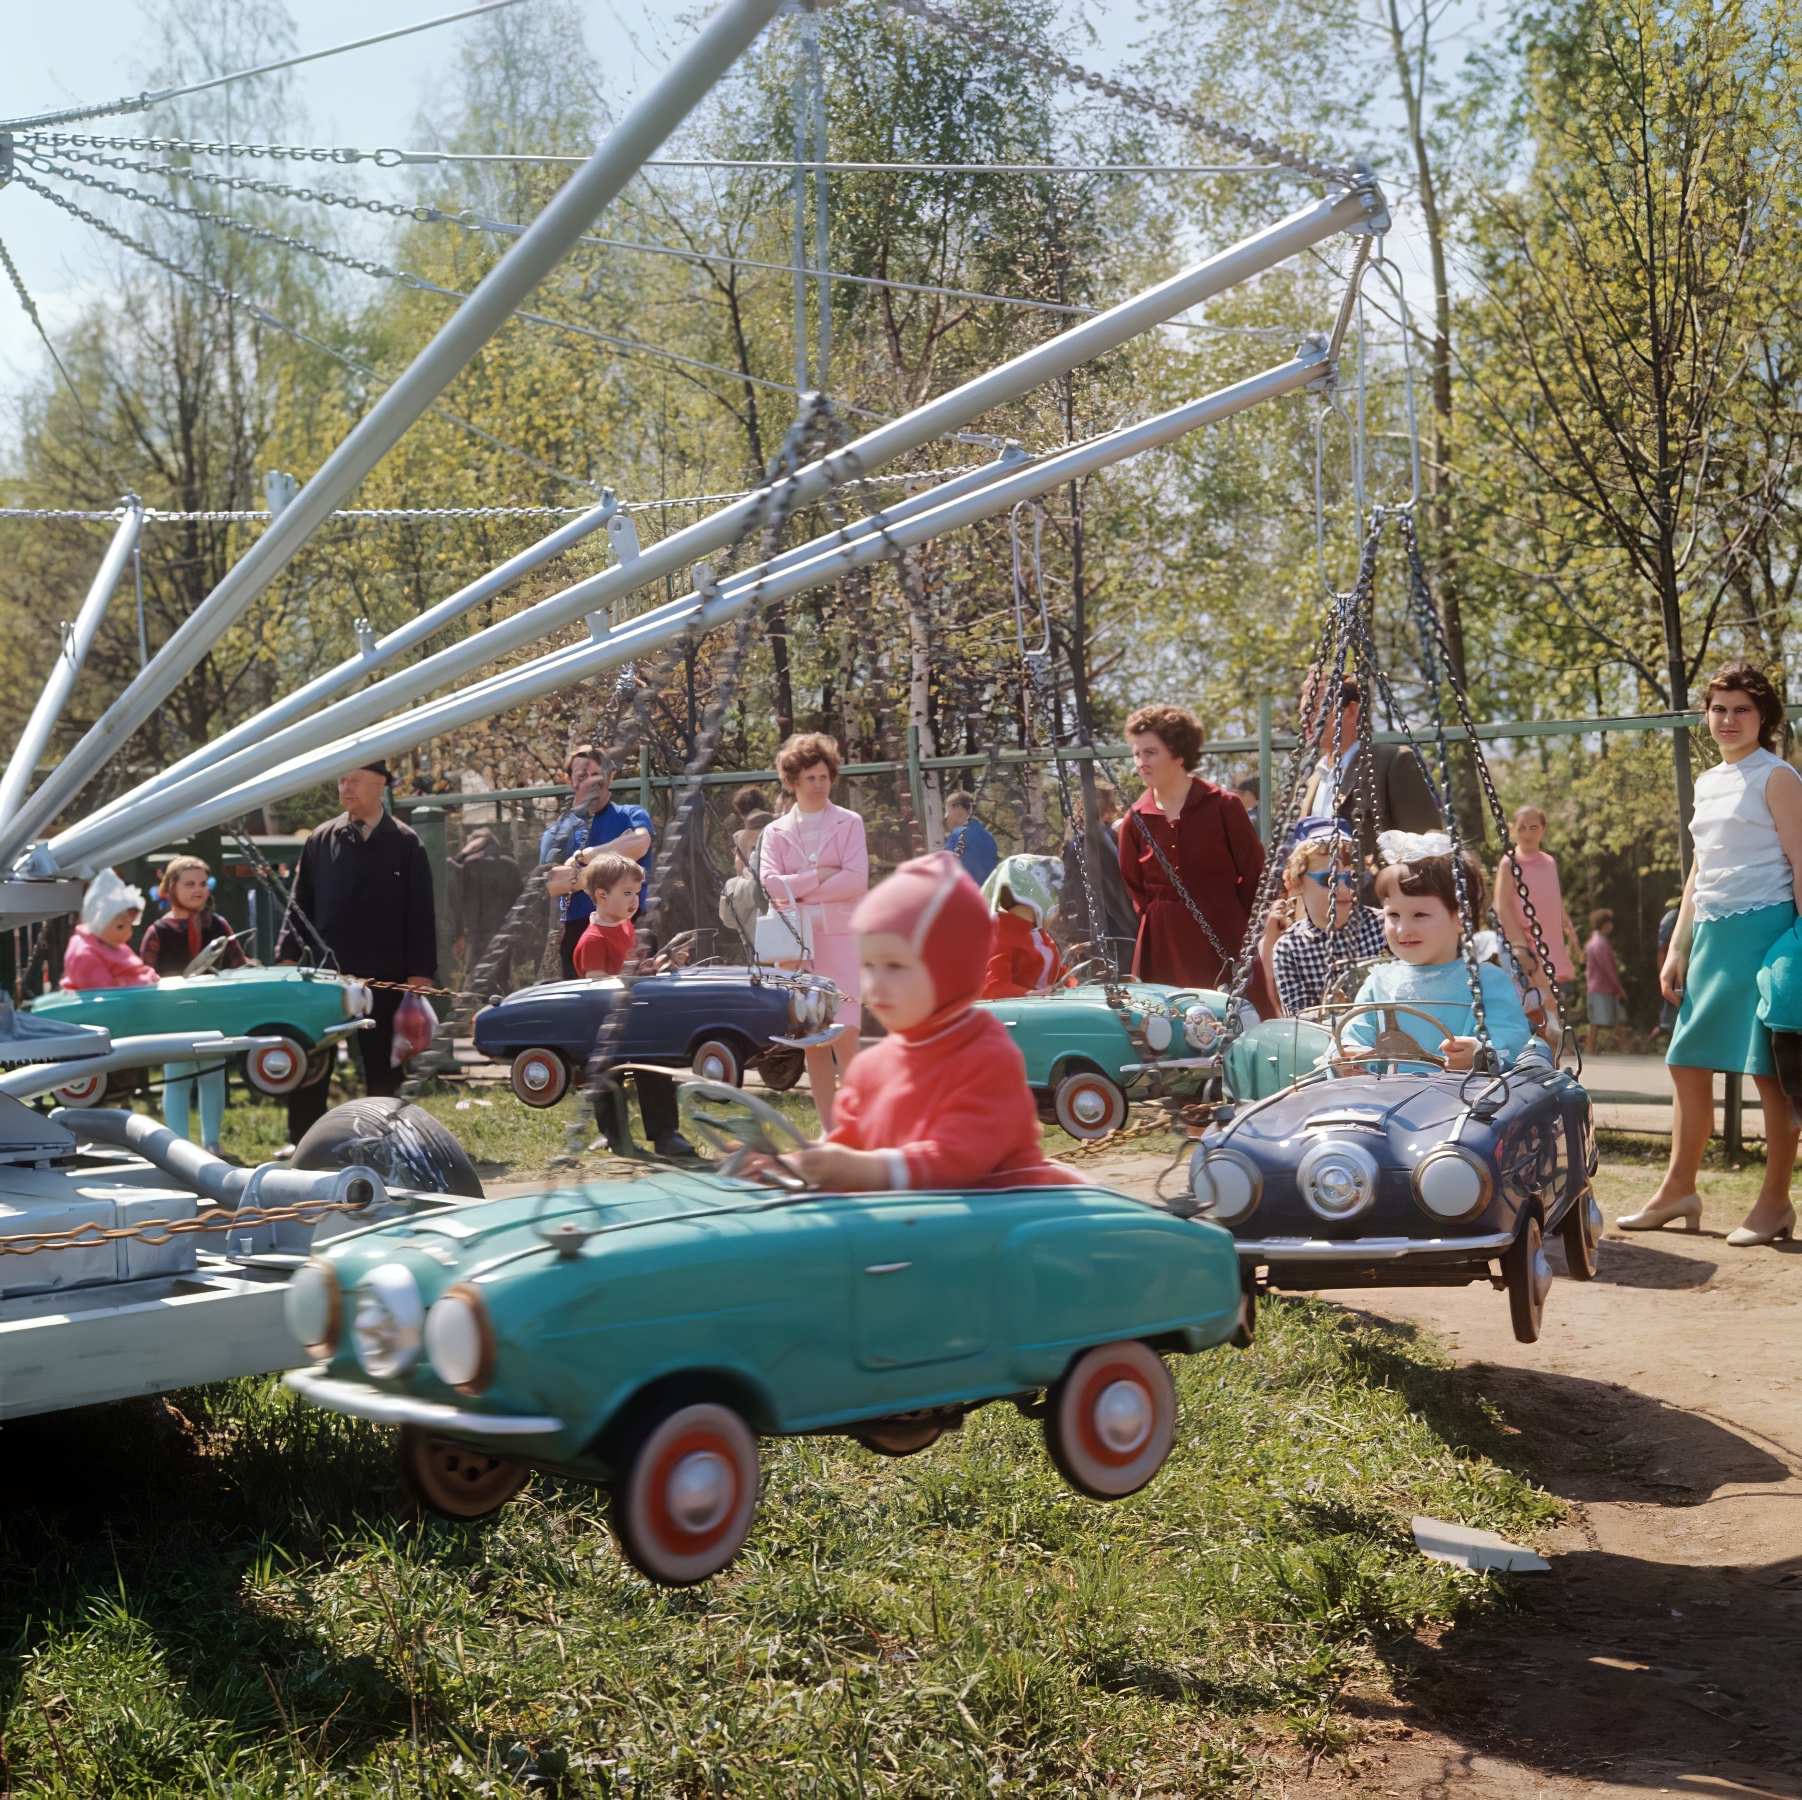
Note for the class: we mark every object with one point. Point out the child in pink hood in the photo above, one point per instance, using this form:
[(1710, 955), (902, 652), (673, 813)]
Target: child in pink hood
[(100, 953)]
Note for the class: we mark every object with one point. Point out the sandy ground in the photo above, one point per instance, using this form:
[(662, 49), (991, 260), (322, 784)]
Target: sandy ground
[(1663, 1653)]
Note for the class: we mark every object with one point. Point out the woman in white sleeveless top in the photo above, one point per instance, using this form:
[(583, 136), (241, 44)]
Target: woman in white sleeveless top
[(1739, 900)]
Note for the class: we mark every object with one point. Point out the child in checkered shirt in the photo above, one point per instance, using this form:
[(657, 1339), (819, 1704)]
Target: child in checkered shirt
[(1334, 931)]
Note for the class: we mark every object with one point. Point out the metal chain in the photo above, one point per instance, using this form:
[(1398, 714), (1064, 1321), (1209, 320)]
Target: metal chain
[(65, 140), (1220, 950), (161, 1231), (261, 234), (276, 190), (1427, 615), (1048, 63), (1324, 713), (779, 496), (232, 298), (157, 516)]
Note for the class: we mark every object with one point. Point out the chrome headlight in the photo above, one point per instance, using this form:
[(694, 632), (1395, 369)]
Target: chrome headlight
[(1338, 1180), (389, 1325), (1201, 1029), (314, 1307), (1227, 1185), (459, 1339), (808, 1008), (1452, 1184), (1157, 1033), (359, 1002)]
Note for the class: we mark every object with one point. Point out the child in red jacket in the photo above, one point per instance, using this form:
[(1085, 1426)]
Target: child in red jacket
[(942, 1101), (1022, 894)]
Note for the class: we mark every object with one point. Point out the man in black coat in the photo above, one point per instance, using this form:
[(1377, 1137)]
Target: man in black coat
[(364, 891)]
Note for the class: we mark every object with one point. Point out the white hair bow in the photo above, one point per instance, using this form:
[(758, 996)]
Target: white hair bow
[(1411, 846)]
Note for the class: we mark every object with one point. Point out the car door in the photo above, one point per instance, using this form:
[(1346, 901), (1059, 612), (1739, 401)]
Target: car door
[(921, 1277)]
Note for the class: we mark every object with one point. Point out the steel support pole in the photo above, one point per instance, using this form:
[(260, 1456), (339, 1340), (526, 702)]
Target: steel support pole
[(832, 558), (822, 236), (263, 726), (15, 784), (532, 257), (1359, 210)]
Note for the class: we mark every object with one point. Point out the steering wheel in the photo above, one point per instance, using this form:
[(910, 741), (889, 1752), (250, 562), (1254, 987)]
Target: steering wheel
[(1392, 1043), (1078, 973), (739, 1126), (208, 959)]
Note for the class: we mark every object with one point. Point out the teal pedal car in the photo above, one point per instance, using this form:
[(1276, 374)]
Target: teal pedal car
[(642, 1335), (1092, 1049), (306, 1010)]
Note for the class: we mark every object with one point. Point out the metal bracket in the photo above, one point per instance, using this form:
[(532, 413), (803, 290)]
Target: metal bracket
[(6, 157), (1376, 207), (365, 636), (279, 487), (622, 533), (705, 584)]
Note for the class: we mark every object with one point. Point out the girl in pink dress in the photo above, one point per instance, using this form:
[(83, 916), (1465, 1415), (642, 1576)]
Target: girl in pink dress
[(815, 867), (1539, 870)]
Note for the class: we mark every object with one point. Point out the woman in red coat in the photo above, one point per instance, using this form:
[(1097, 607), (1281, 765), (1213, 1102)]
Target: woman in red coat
[(1208, 840)]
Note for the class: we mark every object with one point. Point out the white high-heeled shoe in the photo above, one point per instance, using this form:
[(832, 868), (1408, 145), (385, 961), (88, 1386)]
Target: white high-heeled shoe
[(1740, 1238), (1660, 1213)]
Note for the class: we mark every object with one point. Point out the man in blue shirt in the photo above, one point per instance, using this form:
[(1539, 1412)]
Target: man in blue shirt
[(968, 839), (594, 825)]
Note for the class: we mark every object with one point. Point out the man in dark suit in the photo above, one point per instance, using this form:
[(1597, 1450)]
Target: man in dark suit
[(364, 887), (1403, 800)]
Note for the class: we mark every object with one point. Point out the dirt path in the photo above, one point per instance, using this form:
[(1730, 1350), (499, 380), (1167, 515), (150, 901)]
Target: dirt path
[(1663, 1653)]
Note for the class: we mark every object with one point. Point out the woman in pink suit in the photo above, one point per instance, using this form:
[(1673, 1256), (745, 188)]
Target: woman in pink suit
[(815, 867)]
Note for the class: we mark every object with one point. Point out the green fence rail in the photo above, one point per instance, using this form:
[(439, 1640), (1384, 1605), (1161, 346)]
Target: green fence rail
[(1268, 745)]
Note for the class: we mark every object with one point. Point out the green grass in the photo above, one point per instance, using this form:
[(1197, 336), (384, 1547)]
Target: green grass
[(247, 1608)]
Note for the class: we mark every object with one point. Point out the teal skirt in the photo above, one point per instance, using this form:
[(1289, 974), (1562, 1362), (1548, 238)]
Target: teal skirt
[(1717, 1027)]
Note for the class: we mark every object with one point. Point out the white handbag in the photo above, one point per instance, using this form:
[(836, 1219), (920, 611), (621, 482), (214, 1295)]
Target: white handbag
[(783, 937)]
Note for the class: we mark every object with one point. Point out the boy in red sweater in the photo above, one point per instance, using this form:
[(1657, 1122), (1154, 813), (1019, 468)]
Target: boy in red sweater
[(612, 883), (942, 1101)]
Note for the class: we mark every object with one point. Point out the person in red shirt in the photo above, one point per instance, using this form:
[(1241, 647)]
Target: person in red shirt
[(942, 1101), (1023, 893), (1191, 860), (612, 882)]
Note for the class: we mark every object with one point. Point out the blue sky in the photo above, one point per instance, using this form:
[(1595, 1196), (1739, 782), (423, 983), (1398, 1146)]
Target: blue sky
[(97, 49)]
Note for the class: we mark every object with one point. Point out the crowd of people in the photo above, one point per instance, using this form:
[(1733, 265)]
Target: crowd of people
[(1373, 903)]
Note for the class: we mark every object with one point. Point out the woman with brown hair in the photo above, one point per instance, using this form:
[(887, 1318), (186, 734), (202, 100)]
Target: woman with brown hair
[(815, 866), (1739, 900), (1190, 860)]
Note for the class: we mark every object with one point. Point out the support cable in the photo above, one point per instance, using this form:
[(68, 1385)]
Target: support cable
[(469, 220), (232, 298), (396, 159), (1049, 64), (418, 283), (260, 516), (142, 102)]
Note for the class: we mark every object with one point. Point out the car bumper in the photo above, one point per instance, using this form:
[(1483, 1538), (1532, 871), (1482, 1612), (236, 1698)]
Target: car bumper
[(364, 1402), (1364, 1250)]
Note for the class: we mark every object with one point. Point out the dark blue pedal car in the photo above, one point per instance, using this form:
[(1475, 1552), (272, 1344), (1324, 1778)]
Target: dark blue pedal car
[(717, 1021), (1403, 1175)]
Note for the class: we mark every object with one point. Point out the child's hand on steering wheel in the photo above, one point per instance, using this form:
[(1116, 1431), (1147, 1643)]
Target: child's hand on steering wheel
[(1459, 1052)]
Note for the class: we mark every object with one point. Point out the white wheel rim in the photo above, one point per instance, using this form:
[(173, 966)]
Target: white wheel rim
[(1123, 1417), (700, 1491)]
